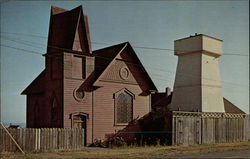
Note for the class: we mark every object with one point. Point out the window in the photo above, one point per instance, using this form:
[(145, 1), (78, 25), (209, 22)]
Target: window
[(53, 109), (78, 69), (78, 94), (123, 108)]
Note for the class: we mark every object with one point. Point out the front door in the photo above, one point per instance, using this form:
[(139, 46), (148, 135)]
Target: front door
[(80, 121)]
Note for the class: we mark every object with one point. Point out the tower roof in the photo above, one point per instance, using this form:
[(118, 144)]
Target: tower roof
[(67, 29), (199, 43)]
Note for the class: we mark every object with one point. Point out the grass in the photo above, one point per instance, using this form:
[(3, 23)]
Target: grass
[(133, 152)]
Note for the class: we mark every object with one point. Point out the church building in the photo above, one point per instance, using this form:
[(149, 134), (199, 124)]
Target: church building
[(100, 91)]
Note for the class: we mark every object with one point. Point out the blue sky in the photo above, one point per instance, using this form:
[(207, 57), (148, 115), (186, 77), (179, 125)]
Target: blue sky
[(156, 24)]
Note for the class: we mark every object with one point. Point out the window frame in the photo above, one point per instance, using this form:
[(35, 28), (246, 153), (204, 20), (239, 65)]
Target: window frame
[(115, 96)]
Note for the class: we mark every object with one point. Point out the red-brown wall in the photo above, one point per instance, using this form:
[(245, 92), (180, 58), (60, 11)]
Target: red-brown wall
[(71, 105), (104, 107), (99, 104)]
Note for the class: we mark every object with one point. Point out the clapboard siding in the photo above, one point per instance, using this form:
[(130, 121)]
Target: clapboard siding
[(190, 128), (104, 110), (71, 105)]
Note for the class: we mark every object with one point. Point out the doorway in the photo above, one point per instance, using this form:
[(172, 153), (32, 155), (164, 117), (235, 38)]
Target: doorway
[(79, 121)]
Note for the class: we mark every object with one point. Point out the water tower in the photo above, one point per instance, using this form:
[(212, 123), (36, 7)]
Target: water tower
[(197, 84)]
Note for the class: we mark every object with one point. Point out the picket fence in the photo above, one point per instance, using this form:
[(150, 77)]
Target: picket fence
[(31, 139)]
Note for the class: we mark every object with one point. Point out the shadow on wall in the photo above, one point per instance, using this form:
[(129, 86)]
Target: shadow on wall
[(155, 128)]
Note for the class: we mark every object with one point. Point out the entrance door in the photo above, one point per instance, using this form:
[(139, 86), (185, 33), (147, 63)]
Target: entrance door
[(80, 121)]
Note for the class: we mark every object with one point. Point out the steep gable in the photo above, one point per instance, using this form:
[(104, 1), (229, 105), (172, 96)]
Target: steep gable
[(68, 30), (103, 58), (121, 57)]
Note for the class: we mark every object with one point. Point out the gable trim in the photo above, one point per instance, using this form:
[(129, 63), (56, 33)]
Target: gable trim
[(98, 79)]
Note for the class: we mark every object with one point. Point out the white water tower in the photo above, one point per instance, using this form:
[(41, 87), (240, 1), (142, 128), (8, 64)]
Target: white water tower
[(197, 84)]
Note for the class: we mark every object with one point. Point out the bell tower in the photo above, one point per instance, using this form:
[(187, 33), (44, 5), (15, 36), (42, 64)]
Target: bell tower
[(197, 84)]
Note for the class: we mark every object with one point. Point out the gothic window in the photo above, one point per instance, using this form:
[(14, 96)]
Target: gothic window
[(123, 108), (53, 109)]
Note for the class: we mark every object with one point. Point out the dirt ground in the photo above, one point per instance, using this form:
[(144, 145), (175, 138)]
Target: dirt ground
[(133, 152)]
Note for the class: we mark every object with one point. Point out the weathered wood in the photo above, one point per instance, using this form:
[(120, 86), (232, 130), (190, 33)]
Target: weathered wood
[(12, 139), (42, 139), (192, 128)]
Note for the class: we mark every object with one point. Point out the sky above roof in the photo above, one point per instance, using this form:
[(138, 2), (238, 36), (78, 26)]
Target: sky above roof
[(150, 24)]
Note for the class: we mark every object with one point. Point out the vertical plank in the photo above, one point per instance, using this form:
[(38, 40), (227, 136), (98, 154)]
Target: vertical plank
[(38, 139), (33, 139), (58, 138), (173, 131), (42, 140), (1, 139), (83, 137)]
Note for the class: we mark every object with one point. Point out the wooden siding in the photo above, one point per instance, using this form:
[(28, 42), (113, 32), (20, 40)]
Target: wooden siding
[(42, 139), (113, 73), (53, 89), (71, 105), (99, 104), (190, 128), (104, 122), (42, 102)]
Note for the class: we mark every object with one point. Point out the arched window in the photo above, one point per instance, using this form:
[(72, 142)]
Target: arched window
[(53, 109), (123, 108)]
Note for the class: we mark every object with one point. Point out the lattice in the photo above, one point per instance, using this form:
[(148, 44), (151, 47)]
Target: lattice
[(207, 114)]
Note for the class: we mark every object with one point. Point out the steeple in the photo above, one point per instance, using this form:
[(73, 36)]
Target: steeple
[(68, 31)]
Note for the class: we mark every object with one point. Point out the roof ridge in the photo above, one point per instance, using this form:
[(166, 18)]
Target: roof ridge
[(112, 46)]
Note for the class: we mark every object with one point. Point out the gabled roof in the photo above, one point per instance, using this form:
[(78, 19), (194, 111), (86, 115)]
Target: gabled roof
[(36, 86), (64, 28), (104, 58), (231, 108)]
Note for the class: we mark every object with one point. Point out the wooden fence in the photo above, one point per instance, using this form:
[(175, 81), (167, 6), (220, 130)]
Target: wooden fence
[(190, 128), (30, 139)]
